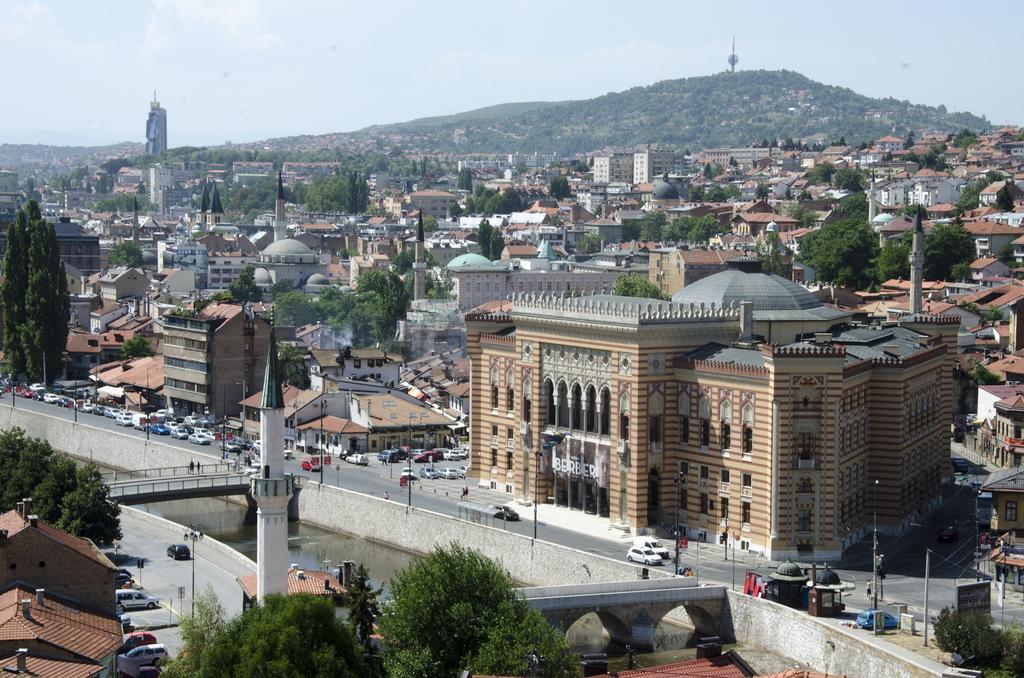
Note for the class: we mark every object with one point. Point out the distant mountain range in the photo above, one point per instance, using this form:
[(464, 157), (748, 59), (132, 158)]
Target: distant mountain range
[(716, 110)]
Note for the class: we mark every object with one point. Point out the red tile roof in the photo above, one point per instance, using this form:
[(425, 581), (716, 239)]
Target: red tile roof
[(59, 624), (312, 582), (14, 524), (713, 667), (333, 425)]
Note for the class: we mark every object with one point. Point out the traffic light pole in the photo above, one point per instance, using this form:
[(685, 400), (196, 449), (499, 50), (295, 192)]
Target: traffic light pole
[(680, 479)]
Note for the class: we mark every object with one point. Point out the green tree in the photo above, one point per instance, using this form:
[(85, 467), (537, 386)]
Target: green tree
[(772, 254), (948, 249), (721, 193), (328, 194), (440, 283), (294, 308), (894, 260), (483, 237), (590, 243), (497, 244), (970, 194), (45, 330), (802, 213), (1006, 255), (465, 182), (296, 636), (761, 191), (965, 138), (841, 253), (136, 347), (292, 364), (12, 293), (1013, 649), (197, 630), (87, 511), (403, 261), (488, 627), (558, 188), (363, 609), (1004, 198), (633, 285), (969, 634), (24, 465), (280, 287), (822, 173), (981, 375), (244, 288), (651, 225), (125, 253), (849, 179)]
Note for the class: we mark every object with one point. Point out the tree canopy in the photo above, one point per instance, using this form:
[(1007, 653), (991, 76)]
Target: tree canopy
[(482, 625), (842, 252), (292, 364), (136, 347), (288, 636), (894, 260), (125, 253), (948, 252), (244, 288), (633, 285), (558, 188)]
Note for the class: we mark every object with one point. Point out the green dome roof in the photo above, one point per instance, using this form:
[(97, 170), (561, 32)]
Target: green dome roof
[(827, 577), (318, 279), (788, 571), (469, 260)]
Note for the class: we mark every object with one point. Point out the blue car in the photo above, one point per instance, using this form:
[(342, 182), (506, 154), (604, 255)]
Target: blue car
[(159, 430), (866, 620)]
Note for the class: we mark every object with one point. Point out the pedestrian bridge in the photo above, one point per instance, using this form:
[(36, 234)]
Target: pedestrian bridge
[(631, 610), (170, 483)]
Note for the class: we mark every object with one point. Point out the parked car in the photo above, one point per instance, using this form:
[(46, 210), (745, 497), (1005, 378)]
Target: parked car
[(87, 407), (357, 459), (423, 457), (179, 552), (112, 413), (505, 513), (200, 438), (866, 619), (123, 580), (144, 655), (652, 544), (179, 432), (160, 430), (192, 420), (643, 556), (449, 473), (463, 470), (136, 638), (50, 398), (311, 464), (428, 473), (948, 534), (125, 419), (407, 472), (130, 599), (456, 454)]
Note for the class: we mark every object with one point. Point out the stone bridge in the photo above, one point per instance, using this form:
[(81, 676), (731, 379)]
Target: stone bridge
[(631, 610), (169, 483)]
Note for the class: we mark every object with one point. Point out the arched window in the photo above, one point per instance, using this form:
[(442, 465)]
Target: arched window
[(804, 486), (577, 407), (653, 495), (510, 391), (563, 405), (494, 387), (549, 394), (606, 411), (725, 414), (748, 428), (624, 417), (655, 418), (527, 400), (704, 413), (591, 410), (684, 417)]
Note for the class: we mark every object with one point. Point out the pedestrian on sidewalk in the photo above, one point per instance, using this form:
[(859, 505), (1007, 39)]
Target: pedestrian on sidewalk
[(199, 468), (387, 497), (191, 466), (867, 587)]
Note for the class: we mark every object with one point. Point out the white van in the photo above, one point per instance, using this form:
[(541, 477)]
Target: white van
[(652, 544), (130, 599)]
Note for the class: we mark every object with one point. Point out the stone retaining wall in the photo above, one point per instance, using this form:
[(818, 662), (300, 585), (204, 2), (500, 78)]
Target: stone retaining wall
[(209, 543)]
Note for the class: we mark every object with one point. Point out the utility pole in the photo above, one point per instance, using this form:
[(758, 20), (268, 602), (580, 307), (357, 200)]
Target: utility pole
[(680, 481), (874, 556), (194, 533), (323, 409), (927, 571)]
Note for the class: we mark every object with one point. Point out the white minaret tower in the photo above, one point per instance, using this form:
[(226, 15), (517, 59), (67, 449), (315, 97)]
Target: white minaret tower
[(871, 201), (916, 267), (280, 226), (419, 266), (273, 489), (135, 221)]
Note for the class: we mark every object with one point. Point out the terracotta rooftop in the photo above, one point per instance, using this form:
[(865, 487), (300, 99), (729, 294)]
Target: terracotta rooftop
[(40, 666), (312, 582), (14, 524), (58, 624), (333, 425)]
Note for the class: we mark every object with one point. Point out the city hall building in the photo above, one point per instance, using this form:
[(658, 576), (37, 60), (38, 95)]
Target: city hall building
[(777, 413)]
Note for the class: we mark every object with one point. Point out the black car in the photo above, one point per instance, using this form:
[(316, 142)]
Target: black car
[(122, 578), (505, 513), (178, 552)]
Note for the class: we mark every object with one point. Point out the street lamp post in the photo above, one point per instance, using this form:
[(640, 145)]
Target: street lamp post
[(927, 572), (323, 409), (536, 492), (680, 481), (194, 533), (874, 555)]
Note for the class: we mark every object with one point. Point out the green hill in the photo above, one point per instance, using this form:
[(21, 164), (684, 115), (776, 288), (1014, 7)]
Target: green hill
[(715, 110)]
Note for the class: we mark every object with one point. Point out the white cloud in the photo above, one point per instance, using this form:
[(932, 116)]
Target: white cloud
[(236, 24), (26, 20)]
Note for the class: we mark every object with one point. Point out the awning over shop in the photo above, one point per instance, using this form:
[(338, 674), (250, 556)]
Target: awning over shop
[(110, 391)]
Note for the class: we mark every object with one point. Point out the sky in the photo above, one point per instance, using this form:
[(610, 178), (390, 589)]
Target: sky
[(84, 72)]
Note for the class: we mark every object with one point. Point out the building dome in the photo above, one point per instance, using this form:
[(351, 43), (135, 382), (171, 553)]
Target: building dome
[(318, 280), (772, 227), (346, 289), (469, 260), (262, 277), (827, 577), (289, 248), (768, 292), (883, 218), (149, 258), (663, 190), (788, 571)]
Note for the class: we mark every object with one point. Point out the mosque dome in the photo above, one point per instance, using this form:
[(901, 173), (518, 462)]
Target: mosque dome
[(262, 277), (743, 282), (883, 218), (469, 260), (663, 190), (318, 280), (772, 227), (288, 247)]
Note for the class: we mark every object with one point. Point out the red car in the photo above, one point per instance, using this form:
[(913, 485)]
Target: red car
[(137, 638), (948, 534), (24, 392), (427, 457), (313, 463)]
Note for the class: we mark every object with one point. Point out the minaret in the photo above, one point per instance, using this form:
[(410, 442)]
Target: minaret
[(871, 201), (419, 266), (733, 59), (135, 221), (916, 266), (273, 489), (280, 227)]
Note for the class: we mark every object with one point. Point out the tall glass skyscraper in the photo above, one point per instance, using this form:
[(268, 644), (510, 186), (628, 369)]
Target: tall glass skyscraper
[(156, 128)]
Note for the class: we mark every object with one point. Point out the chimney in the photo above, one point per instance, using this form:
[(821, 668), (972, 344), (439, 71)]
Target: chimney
[(40, 597), (21, 509), (26, 608), (822, 337), (814, 575), (33, 520), (347, 568), (28, 505), (22, 660), (746, 320)]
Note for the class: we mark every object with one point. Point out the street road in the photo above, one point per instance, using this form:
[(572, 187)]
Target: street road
[(904, 556)]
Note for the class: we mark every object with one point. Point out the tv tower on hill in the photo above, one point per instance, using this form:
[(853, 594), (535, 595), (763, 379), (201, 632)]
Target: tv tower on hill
[(733, 59)]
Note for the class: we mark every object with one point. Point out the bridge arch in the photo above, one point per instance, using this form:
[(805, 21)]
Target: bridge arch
[(578, 621)]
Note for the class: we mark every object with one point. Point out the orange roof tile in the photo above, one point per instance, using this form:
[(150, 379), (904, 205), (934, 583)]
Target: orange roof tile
[(58, 623), (14, 524), (312, 582)]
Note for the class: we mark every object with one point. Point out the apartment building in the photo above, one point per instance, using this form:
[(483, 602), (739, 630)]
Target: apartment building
[(651, 162), (617, 168), (213, 358)]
